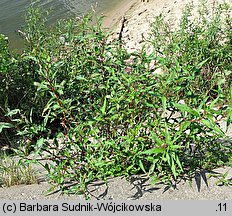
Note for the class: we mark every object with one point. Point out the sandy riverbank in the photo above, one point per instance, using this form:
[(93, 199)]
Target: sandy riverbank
[(139, 16), (113, 17)]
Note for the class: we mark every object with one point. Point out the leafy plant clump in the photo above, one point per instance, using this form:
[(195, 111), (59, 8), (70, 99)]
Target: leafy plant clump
[(197, 55), (99, 111), (14, 173)]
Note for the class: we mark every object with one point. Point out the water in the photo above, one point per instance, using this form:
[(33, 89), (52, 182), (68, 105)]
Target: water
[(12, 13)]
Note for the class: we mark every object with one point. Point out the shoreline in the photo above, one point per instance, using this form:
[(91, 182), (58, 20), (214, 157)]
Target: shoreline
[(113, 16)]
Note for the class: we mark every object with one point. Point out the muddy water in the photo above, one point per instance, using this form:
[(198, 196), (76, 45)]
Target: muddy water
[(12, 12)]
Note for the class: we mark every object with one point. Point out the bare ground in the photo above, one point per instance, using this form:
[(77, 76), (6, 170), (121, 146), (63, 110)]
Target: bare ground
[(137, 187)]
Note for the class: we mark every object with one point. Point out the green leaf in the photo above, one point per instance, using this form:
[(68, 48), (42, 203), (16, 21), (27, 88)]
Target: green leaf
[(154, 179), (153, 151), (156, 138), (61, 180), (221, 81), (46, 166), (212, 126), (4, 125), (167, 134), (214, 102), (178, 163), (182, 129), (96, 75), (202, 63), (71, 162), (173, 168), (150, 159), (47, 107), (202, 104), (40, 142), (168, 158), (103, 109), (80, 78), (231, 94), (229, 119), (149, 105), (164, 103), (141, 166), (185, 108), (173, 147)]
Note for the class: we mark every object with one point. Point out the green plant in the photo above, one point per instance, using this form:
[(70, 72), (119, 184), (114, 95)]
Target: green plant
[(17, 75), (222, 179), (12, 173), (196, 55)]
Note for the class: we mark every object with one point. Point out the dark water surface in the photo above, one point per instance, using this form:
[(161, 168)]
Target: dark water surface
[(12, 12)]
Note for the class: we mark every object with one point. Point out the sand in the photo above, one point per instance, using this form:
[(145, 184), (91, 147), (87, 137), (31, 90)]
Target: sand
[(140, 15), (137, 188)]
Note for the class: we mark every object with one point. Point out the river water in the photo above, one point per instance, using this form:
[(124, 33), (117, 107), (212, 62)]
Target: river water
[(12, 12)]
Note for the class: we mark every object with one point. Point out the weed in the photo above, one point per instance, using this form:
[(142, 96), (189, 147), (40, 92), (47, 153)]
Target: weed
[(12, 173), (197, 54)]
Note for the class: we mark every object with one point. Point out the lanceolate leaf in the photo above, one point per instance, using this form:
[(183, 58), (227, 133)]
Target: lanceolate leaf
[(185, 108), (153, 151), (176, 147), (173, 168), (202, 63), (141, 166), (103, 109), (212, 126), (178, 162), (164, 103), (4, 125), (229, 119)]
